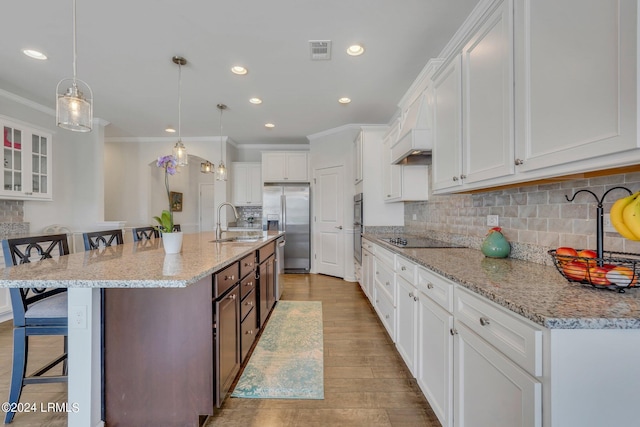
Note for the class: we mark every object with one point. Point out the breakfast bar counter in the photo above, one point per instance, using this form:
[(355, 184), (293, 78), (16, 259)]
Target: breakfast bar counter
[(167, 293)]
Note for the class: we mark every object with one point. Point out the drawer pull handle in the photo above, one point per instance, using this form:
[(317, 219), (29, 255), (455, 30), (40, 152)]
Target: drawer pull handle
[(249, 284), (232, 296), (229, 277), (453, 331), (484, 321), (429, 285), (249, 303)]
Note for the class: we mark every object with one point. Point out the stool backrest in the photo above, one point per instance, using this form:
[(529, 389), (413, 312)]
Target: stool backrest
[(145, 233), (23, 250), (96, 239)]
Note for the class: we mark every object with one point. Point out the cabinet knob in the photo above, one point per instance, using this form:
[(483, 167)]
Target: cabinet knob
[(455, 178), (249, 332), (429, 285), (249, 303), (453, 331), (410, 294), (387, 283), (386, 316), (248, 264), (249, 284), (403, 268), (388, 195), (232, 296), (229, 277), (415, 298), (463, 176), (484, 321), (519, 162)]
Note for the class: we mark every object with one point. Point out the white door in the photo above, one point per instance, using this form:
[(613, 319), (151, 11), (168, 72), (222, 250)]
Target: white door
[(207, 207), (329, 218)]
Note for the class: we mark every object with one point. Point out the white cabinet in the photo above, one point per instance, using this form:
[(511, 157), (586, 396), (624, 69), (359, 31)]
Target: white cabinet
[(391, 174), (385, 290), (570, 107), (473, 106), (367, 283), (490, 389), (447, 126), (27, 160), (247, 183), (285, 166), (358, 145)]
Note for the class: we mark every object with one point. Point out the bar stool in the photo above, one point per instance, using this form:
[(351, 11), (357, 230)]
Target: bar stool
[(35, 312), (145, 233)]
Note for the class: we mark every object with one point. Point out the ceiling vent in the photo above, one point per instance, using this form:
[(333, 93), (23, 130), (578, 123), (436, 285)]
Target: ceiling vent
[(320, 49)]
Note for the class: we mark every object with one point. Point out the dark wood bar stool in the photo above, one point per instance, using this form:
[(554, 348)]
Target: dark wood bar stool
[(97, 239), (35, 312), (145, 233)]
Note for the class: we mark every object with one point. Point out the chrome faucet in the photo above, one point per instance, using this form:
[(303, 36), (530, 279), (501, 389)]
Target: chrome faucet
[(218, 228)]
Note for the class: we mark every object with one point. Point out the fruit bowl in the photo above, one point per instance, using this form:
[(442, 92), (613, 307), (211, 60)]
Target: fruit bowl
[(615, 271)]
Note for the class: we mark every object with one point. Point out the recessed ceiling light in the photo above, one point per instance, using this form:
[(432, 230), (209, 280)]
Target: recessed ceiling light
[(255, 101), (269, 125), (170, 129), (239, 70), (355, 50), (34, 54), (344, 100)]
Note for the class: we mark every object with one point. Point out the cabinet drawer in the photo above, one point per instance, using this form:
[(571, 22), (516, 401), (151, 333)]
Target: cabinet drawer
[(406, 269), (436, 287), (247, 285), (386, 311), (247, 304), (266, 251), (247, 264), (248, 332), (519, 341), (224, 279), (366, 244), (385, 256), (385, 277)]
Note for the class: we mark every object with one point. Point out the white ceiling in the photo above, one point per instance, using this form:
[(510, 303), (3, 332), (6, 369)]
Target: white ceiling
[(125, 49)]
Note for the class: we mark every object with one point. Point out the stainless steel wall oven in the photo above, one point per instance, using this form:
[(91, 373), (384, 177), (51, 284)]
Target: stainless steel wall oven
[(358, 227)]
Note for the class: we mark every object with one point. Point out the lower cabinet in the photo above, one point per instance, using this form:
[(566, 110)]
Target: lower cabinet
[(267, 288), (407, 327), (490, 389), (226, 341)]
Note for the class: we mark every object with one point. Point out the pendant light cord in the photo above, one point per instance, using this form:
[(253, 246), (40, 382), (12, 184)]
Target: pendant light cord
[(74, 42), (179, 100), (221, 134)]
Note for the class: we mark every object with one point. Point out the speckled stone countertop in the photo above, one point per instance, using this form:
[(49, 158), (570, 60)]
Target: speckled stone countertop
[(133, 265), (534, 291)]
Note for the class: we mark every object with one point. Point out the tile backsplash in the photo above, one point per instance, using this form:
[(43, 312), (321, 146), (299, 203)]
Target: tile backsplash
[(12, 218), (533, 218)]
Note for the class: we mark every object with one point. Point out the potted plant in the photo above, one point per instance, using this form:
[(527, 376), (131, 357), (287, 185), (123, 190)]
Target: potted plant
[(171, 240)]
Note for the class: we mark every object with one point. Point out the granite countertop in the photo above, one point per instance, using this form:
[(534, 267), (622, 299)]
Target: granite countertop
[(140, 264), (534, 291)]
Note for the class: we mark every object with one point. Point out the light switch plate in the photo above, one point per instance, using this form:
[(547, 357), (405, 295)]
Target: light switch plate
[(492, 220), (607, 227)]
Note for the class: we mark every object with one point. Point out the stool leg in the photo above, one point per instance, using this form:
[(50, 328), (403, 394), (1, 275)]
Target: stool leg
[(66, 351), (20, 348)]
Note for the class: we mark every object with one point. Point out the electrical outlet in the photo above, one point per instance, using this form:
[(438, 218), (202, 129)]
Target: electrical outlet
[(78, 317), (492, 220), (607, 227)]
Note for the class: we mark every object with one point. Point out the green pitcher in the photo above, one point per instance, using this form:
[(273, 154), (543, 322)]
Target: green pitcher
[(495, 245)]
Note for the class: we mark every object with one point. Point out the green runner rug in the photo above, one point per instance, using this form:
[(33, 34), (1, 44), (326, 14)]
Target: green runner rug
[(287, 362)]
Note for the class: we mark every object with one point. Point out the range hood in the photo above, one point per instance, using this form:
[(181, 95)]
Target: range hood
[(415, 136)]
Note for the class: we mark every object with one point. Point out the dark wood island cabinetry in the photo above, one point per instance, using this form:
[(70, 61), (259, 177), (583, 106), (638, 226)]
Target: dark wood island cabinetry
[(172, 354)]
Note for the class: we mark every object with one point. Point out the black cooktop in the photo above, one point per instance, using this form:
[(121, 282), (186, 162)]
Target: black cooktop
[(419, 242)]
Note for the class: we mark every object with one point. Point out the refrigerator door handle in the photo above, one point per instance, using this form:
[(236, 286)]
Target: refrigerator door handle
[(283, 209)]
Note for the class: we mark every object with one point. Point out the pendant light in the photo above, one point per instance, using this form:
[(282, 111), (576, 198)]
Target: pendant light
[(207, 167), (74, 110), (221, 173), (179, 150)]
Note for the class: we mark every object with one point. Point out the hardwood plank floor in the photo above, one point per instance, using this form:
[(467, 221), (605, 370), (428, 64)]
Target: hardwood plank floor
[(366, 381)]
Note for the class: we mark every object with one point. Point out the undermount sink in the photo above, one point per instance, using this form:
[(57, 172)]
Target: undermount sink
[(239, 239)]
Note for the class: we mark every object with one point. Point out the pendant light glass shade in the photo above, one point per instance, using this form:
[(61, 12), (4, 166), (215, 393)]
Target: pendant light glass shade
[(207, 167), (179, 150), (74, 110), (221, 172)]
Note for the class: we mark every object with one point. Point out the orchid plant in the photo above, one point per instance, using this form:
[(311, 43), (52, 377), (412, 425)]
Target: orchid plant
[(165, 221)]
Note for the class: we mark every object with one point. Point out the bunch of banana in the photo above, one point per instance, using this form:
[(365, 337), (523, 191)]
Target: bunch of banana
[(625, 216)]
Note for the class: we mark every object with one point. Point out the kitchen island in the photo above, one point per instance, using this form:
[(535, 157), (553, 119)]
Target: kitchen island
[(177, 290), (506, 341)]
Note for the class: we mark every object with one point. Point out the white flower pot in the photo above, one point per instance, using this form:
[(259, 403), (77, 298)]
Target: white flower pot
[(172, 242)]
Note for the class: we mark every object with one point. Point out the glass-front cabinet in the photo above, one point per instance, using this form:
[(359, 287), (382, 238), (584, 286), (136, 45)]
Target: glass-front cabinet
[(26, 172)]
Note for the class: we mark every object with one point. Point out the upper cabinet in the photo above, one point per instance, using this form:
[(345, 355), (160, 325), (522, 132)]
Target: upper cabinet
[(525, 93), (247, 183), (26, 170), (285, 166), (576, 81)]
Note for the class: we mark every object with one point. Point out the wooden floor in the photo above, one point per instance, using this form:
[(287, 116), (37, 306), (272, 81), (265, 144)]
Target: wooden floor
[(366, 382)]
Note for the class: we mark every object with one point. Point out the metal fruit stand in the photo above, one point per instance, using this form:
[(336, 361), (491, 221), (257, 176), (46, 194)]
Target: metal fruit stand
[(604, 259)]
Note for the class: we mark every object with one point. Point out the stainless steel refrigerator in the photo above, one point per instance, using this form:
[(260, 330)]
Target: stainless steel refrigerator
[(286, 207)]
